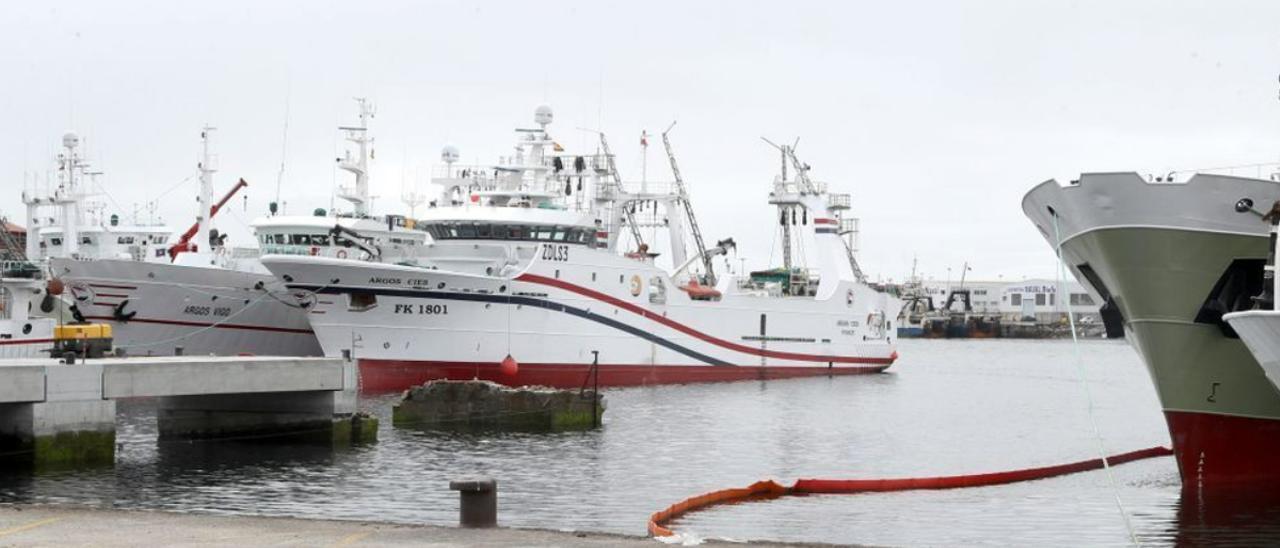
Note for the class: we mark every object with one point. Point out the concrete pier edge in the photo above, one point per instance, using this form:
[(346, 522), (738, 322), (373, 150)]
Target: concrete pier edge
[(45, 525)]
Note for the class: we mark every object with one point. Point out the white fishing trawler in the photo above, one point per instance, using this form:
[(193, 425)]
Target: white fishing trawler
[(525, 283), (207, 297)]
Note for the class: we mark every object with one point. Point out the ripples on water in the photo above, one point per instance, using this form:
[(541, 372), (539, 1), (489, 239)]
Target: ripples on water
[(947, 407)]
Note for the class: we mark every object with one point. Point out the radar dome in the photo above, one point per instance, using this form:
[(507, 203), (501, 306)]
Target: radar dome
[(542, 115), (70, 140), (449, 154)]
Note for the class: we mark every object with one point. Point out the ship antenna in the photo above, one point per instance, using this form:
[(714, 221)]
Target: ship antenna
[(284, 145)]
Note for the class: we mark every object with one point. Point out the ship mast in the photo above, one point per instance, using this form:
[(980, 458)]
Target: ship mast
[(204, 217), (359, 166), (68, 195)]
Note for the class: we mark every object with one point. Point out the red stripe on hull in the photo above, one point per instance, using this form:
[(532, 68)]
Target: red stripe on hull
[(662, 319), (113, 286), (393, 375), (1225, 451), (183, 323), (7, 342)]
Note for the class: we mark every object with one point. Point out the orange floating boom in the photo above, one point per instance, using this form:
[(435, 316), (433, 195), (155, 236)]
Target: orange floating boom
[(769, 489)]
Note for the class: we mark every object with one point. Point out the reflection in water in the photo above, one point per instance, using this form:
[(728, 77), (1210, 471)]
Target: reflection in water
[(1240, 516), (948, 407)]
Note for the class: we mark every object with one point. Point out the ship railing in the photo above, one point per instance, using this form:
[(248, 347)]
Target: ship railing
[(591, 162), (839, 201), (478, 173), (313, 251), (651, 187)]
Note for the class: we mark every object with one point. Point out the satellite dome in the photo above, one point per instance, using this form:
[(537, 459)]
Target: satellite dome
[(542, 115), (70, 140), (449, 154)]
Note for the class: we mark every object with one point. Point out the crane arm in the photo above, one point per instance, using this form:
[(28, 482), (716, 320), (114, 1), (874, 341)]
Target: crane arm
[(184, 242)]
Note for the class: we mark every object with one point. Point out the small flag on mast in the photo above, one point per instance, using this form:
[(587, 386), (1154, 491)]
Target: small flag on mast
[(644, 138)]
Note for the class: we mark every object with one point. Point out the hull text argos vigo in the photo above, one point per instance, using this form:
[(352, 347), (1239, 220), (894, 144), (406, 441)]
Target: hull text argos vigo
[(1173, 258), (522, 284)]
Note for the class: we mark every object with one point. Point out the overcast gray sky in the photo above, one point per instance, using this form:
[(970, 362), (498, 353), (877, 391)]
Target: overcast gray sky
[(936, 116)]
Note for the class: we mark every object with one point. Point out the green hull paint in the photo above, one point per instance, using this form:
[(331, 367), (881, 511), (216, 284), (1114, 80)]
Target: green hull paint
[(1160, 278)]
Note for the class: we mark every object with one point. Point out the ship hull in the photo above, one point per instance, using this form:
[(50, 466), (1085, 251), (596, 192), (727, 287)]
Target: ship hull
[(1173, 259), (408, 325), (380, 376), (162, 309)]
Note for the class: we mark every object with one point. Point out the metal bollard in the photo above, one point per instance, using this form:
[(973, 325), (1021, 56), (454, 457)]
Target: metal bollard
[(478, 502), (177, 350), (69, 358)]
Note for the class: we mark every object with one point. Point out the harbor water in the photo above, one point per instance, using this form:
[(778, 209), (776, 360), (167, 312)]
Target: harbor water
[(946, 407)]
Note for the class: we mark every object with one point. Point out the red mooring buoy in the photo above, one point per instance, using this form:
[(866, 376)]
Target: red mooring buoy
[(55, 286), (509, 366)]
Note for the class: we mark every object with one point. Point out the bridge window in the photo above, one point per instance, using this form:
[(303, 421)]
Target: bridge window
[(494, 231)]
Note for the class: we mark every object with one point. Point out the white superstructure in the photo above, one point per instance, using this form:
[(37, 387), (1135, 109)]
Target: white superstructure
[(525, 283), (62, 222)]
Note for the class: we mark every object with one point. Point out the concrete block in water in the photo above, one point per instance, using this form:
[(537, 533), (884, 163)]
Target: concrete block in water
[(355, 429), (484, 405)]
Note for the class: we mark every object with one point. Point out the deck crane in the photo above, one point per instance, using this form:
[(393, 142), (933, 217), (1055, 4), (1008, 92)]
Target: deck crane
[(184, 243), (617, 179), (688, 209)]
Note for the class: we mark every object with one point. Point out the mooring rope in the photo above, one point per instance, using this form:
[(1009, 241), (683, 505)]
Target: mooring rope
[(1084, 382)]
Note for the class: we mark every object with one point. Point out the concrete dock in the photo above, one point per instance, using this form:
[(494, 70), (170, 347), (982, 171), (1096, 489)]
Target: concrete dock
[(61, 526), (58, 414)]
